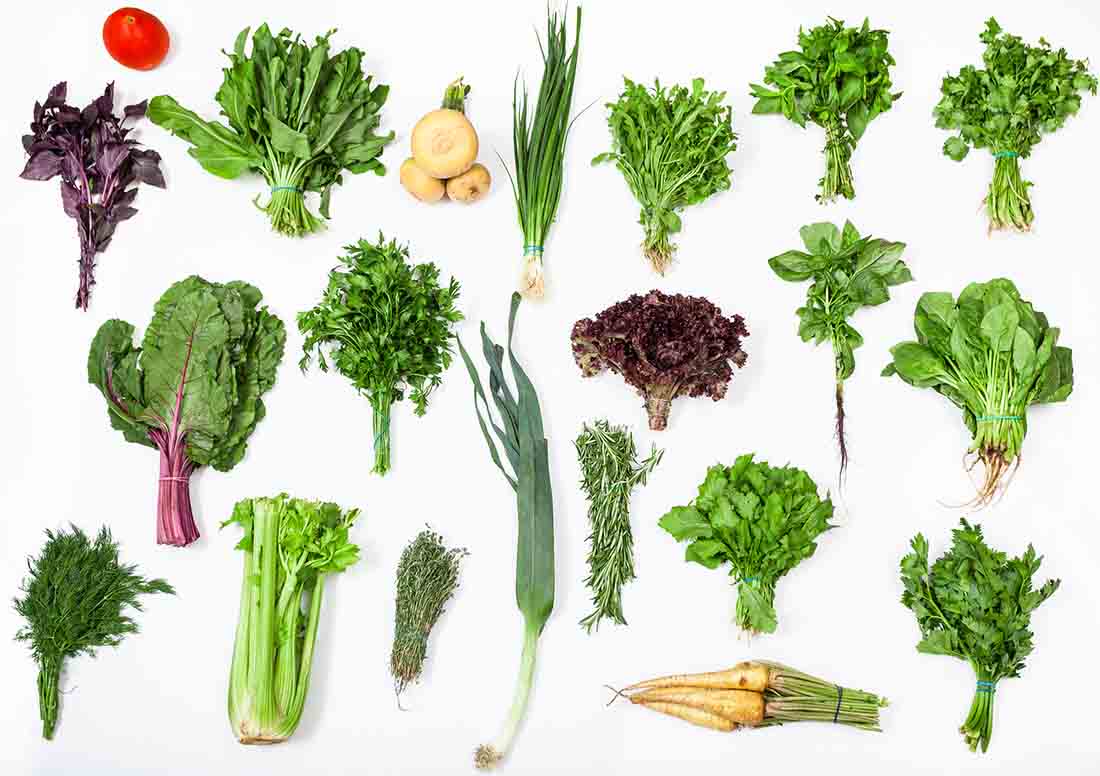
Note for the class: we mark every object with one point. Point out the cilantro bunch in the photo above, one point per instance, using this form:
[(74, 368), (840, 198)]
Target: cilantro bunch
[(839, 80), (671, 146), (388, 325), (762, 520), (1022, 92), (975, 603)]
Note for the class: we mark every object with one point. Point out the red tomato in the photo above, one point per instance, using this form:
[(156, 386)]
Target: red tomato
[(135, 38)]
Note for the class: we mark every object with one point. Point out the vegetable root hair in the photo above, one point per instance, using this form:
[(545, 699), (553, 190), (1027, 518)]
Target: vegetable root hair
[(842, 442), (998, 476)]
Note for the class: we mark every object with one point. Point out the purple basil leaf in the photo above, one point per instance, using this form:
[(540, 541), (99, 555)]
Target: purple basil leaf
[(123, 197), (42, 166), (119, 214), (135, 111), (67, 114), (106, 103), (111, 157), (28, 143), (148, 172), (57, 95), (70, 200)]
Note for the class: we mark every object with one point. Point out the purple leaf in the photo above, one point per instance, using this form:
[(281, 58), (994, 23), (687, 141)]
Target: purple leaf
[(125, 197), (111, 157), (135, 111), (42, 166), (56, 97), (70, 200), (106, 103), (67, 114), (121, 213), (148, 171)]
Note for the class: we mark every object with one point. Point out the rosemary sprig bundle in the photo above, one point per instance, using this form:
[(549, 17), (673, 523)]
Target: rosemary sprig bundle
[(427, 577), (609, 472)]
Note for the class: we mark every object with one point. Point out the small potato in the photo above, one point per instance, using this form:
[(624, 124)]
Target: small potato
[(418, 183), (471, 185)]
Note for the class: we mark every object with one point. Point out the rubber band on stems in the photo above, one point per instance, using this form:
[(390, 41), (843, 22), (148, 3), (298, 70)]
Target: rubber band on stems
[(174, 479), (295, 189), (995, 418), (1005, 155)]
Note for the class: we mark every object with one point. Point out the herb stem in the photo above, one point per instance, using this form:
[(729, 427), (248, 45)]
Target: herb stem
[(49, 676), (381, 402)]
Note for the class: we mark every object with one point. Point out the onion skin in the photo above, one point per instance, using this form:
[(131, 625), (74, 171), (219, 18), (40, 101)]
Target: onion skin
[(444, 143)]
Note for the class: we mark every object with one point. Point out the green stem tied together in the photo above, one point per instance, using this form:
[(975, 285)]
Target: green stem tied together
[(49, 675), (1008, 203), (381, 436), (978, 727), (838, 173)]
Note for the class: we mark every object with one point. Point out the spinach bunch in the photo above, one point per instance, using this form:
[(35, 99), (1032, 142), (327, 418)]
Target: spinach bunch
[(992, 354), (848, 272), (388, 325), (839, 80), (1022, 93), (671, 146), (760, 519), (975, 603), (296, 115)]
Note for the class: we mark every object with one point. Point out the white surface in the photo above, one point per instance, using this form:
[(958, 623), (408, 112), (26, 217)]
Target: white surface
[(157, 704)]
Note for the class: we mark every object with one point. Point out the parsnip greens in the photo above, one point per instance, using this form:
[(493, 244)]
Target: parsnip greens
[(671, 146)]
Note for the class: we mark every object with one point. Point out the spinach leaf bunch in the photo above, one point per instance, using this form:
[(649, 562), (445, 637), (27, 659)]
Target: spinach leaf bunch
[(762, 520), (296, 115), (839, 80), (992, 354), (671, 146), (848, 272), (975, 603), (75, 599), (1022, 93), (388, 325)]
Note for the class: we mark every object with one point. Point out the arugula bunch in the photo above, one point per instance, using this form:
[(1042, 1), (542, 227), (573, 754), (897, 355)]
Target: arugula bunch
[(839, 80), (762, 520), (75, 599), (1022, 93), (992, 354), (671, 146), (297, 115), (975, 603), (848, 272), (388, 325)]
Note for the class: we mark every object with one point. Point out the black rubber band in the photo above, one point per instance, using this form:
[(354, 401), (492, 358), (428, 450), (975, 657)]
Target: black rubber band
[(839, 698)]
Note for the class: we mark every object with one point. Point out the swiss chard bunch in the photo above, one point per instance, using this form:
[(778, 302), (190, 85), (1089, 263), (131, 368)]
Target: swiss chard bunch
[(671, 146), (839, 80), (194, 388), (975, 604), (100, 166), (389, 326), (848, 272), (761, 520), (992, 354), (1022, 93), (297, 114)]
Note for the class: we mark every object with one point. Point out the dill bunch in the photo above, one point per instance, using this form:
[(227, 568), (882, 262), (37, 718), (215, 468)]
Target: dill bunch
[(74, 600), (427, 577)]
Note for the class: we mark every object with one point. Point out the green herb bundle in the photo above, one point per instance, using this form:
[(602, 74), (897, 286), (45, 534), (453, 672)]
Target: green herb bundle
[(760, 519), (297, 115), (610, 470), (538, 147), (75, 599), (521, 436), (848, 272), (671, 146), (1022, 93), (992, 354), (388, 325), (975, 603), (427, 577), (839, 80)]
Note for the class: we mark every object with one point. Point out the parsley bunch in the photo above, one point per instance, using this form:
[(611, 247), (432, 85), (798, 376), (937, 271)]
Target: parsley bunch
[(839, 80), (975, 604), (1023, 92), (671, 146)]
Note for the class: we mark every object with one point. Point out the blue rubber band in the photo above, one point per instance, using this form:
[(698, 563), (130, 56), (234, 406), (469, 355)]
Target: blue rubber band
[(285, 188), (746, 580), (528, 249), (984, 686), (994, 418), (1005, 155)]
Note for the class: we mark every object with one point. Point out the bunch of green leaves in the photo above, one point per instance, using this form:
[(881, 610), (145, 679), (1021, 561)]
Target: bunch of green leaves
[(992, 354), (427, 576), (520, 434), (389, 325), (671, 146), (848, 272), (194, 388), (1022, 92), (839, 80), (761, 520), (975, 604), (76, 598), (296, 115), (610, 470), (290, 546)]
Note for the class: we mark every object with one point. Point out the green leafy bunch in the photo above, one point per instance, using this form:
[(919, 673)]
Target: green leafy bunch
[(671, 146), (290, 546), (296, 114), (975, 603), (75, 599), (1022, 92), (839, 80), (762, 520), (848, 272), (992, 354), (389, 325)]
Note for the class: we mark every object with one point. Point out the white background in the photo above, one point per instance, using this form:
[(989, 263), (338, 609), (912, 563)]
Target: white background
[(157, 703)]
